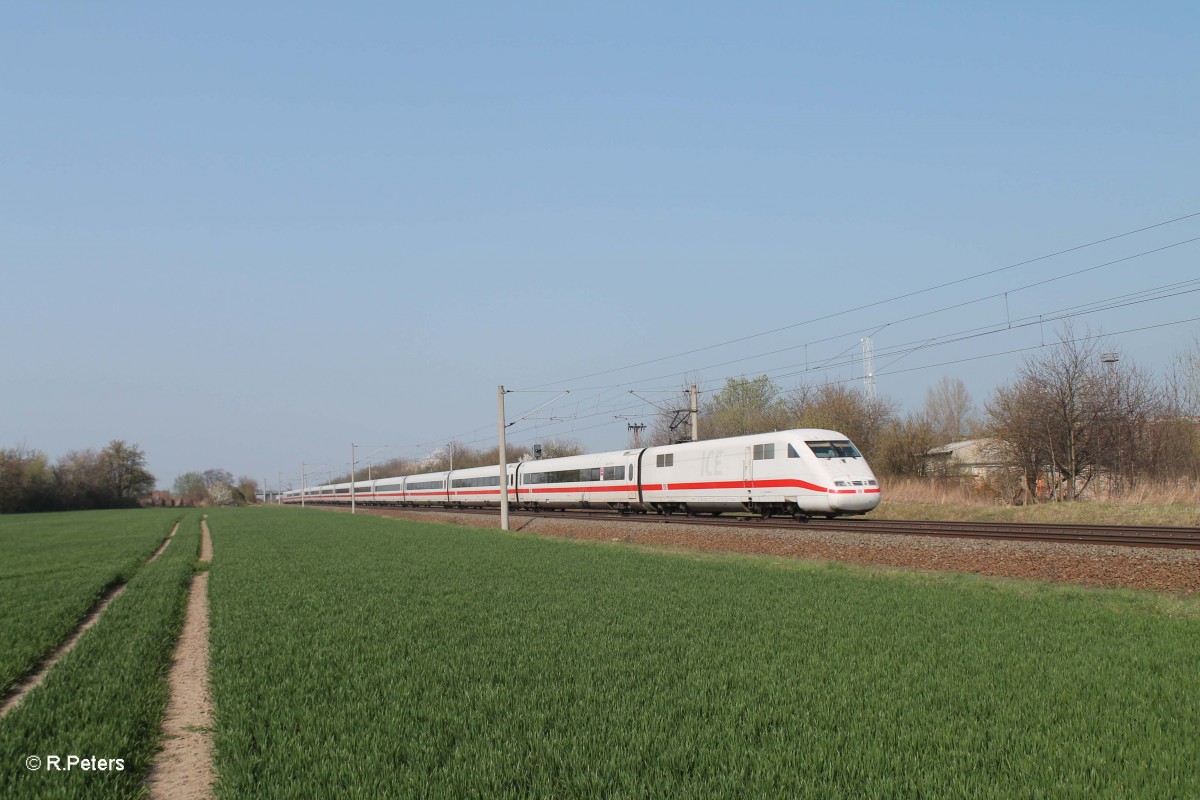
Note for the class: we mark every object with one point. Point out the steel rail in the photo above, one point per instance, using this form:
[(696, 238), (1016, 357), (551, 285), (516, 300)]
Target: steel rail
[(1118, 535)]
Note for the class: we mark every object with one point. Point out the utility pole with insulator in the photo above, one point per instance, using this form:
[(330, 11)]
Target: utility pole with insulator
[(503, 462), (695, 413), (1115, 416), (637, 428)]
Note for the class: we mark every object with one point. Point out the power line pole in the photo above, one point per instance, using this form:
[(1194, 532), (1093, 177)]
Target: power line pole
[(868, 369), (303, 485), (353, 508), (695, 413), (503, 462), (279, 488), (1116, 420)]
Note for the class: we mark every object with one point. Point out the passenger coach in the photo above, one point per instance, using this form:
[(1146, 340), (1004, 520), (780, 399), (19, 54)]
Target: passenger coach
[(802, 472)]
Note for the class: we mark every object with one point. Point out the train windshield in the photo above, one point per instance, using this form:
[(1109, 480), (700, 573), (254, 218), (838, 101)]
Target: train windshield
[(837, 448)]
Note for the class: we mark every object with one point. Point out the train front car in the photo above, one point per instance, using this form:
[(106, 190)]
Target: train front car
[(804, 473), (851, 486)]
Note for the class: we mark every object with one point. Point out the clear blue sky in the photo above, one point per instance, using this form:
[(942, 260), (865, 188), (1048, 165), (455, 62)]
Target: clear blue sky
[(243, 235)]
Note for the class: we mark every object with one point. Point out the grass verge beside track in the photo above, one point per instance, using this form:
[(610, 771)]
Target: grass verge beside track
[(105, 698), (54, 567), (357, 656)]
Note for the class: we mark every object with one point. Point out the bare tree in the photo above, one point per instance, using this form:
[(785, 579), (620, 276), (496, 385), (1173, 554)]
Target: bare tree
[(1052, 422), (80, 477), (557, 448), (844, 409), (246, 491), (128, 478), (26, 481), (1185, 380), (743, 406), (1135, 427), (949, 410), (1013, 422), (903, 446), (190, 488)]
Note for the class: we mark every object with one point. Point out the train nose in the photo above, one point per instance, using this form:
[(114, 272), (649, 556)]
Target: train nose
[(854, 494)]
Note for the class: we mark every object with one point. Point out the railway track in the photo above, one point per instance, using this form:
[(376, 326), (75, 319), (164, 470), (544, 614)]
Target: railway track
[(1117, 535)]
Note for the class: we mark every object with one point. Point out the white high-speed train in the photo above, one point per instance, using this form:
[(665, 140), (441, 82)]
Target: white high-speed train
[(807, 472)]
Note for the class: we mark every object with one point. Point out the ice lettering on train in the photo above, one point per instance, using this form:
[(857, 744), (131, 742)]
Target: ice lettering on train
[(710, 463)]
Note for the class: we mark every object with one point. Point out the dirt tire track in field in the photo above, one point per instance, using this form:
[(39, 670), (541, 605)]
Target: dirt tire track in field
[(34, 679), (163, 546), (183, 769)]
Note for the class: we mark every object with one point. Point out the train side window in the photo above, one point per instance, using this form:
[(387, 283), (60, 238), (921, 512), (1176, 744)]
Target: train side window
[(792, 452), (664, 460), (762, 452)]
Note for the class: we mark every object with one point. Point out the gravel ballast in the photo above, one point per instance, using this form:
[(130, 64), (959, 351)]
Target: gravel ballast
[(1152, 568)]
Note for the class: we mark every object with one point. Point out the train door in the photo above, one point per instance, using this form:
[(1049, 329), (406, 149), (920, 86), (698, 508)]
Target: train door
[(748, 472)]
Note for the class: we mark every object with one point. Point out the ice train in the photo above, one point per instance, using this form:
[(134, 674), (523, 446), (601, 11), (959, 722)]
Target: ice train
[(802, 473)]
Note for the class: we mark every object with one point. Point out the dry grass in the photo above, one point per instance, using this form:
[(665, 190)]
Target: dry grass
[(1147, 504)]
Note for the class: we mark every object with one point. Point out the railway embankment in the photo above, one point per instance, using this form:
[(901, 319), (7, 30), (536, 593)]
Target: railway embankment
[(1147, 568)]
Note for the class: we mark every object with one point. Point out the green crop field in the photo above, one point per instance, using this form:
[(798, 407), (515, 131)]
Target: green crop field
[(53, 568), (356, 656), (105, 698)]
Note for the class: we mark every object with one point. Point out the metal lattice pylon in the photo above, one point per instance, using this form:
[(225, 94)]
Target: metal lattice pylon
[(868, 369)]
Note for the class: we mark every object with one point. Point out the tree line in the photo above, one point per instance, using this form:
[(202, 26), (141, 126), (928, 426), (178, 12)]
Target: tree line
[(114, 477), (1073, 419), (214, 487)]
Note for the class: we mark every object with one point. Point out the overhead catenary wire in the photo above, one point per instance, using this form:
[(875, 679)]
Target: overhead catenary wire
[(601, 406), (1100, 305), (876, 303), (950, 362), (875, 328), (783, 372)]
